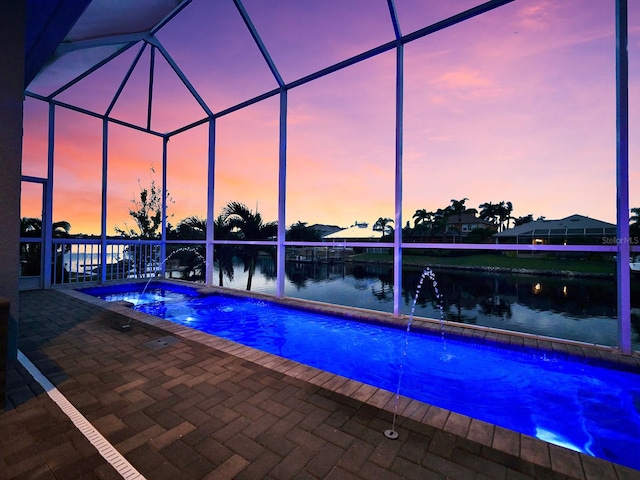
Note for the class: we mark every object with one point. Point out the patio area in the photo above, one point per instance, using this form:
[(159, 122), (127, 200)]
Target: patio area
[(176, 403)]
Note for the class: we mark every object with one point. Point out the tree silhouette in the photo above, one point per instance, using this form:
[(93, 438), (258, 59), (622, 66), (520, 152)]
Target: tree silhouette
[(146, 212), (421, 217), (223, 254), (31, 253), (382, 225), (489, 212), (503, 211), (457, 208), (634, 222), (522, 220), (191, 228), (300, 232), (248, 226)]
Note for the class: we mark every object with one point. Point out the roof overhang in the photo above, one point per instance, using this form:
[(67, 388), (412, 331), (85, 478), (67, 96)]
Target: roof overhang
[(56, 28), (47, 24)]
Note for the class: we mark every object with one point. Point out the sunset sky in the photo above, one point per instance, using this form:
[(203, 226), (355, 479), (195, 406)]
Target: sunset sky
[(515, 105)]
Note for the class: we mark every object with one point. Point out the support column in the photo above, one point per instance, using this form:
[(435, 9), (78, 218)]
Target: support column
[(104, 200), (163, 231), (211, 181), (282, 195), (397, 237), (622, 179), (12, 34), (46, 249)]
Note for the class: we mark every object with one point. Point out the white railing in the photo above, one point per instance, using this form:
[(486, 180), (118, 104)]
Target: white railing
[(80, 261)]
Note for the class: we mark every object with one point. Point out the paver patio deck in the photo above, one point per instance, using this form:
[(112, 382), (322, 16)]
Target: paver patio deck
[(182, 404)]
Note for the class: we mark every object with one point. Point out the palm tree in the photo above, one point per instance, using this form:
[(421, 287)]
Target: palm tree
[(300, 232), (60, 229), (382, 225), (423, 221), (223, 254), (503, 211), (489, 212), (248, 226), (191, 228), (440, 221), (30, 253), (422, 216), (457, 208), (32, 227), (195, 228), (191, 258), (509, 211)]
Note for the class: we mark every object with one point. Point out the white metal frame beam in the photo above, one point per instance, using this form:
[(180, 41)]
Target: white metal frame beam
[(622, 179)]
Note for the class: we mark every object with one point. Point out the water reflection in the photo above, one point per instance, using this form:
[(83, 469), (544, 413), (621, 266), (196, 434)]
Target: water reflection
[(563, 307), (494, 294)]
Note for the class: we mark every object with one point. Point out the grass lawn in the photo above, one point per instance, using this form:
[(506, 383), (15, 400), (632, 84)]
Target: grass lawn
[(596, 266)]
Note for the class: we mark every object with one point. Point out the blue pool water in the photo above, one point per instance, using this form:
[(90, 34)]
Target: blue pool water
[(577, 404)]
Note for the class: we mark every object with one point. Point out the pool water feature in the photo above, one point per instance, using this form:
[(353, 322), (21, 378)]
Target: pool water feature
[(140, 296), (583, 405), (427, 273)]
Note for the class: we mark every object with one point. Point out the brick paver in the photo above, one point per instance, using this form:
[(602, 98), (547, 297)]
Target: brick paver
[(191, 410)]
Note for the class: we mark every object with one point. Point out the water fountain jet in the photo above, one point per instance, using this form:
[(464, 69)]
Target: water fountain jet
[(391, 433), (126, 327)]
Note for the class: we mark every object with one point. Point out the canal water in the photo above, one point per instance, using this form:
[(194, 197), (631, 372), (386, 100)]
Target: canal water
[(573, 308)]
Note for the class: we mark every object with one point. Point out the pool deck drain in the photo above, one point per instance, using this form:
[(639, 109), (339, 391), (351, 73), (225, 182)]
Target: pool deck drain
[(162, 342), (210, 408)]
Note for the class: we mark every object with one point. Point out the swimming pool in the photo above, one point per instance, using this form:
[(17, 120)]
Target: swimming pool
[(582, 405)]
